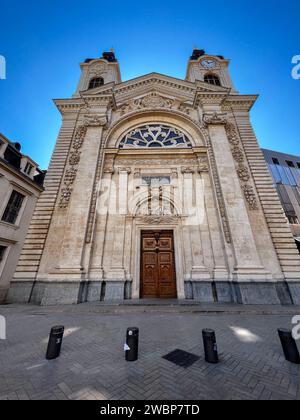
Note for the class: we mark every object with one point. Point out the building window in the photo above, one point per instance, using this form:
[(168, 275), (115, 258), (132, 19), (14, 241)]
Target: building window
[(13, 207), (286, 202), (96, 82), (2, 253), (275, 173), (293, 220), (282, 174), (156, 181), (28, 168), (290, 173), (212, 79), (155, 136)]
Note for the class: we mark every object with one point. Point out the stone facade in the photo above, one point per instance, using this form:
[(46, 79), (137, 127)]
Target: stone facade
[(158, 153), (20, 187)]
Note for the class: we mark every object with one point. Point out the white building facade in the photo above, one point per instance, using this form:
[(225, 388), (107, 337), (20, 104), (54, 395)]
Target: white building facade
[(157, 188), (20, 187)]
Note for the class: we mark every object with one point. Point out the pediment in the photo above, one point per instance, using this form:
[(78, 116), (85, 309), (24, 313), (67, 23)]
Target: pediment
[(180, 89)]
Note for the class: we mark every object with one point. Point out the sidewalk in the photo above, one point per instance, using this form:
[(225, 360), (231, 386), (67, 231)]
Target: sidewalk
[(92, 365)]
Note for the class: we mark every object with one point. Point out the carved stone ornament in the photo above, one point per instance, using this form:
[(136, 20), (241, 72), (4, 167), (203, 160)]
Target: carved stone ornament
[(74, 158), (158, 220), (187, 170), (71, 172), (237, 154), (109, 166), (97, 69), (65, 197), (124, 170), (243, 173), (137, 173), (242, 170), (153, 100), (157, 162), (185, 108), (203, 164), (95, 121), (70, 176), (214, 119), (250, 196)]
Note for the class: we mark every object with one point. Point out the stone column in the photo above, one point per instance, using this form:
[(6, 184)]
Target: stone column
[(200, 276), (221, 273), (76, 195), (248, 265), (116, 277), (96, 269)]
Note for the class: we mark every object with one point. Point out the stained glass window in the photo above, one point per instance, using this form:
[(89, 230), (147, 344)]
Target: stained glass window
[(155, 136)]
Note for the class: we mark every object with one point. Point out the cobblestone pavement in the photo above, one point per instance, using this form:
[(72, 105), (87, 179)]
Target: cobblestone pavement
[(92, 364)]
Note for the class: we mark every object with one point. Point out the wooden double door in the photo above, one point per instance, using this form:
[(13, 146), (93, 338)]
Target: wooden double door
[(158, 278)]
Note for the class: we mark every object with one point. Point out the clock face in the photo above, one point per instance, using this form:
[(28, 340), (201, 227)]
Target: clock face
[(209, 64)]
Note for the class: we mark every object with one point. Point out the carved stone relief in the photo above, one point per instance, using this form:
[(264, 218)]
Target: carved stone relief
[(238, 155), (75, 155), (242, 170), (154, 101)]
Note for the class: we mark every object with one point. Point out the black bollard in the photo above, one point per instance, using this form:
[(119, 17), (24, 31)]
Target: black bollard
[(132, 345), (289, 346), (210, 346), (55, 342)]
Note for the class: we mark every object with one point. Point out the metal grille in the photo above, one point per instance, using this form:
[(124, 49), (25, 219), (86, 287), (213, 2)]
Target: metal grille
[(181, 358)]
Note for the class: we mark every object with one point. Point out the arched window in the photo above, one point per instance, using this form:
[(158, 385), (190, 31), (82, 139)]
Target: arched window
[(96, 82), (154, 136), (212, 79)]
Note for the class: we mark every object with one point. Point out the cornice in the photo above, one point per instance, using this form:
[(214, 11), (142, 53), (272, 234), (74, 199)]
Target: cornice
[(21, 176), (154, 79), (209, 98), (76, 104), (69, 105), (239, 102)]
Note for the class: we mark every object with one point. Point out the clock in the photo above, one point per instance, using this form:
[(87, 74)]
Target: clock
[(208, 64)]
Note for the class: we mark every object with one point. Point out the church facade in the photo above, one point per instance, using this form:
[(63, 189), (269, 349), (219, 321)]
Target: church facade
[(157, 188)]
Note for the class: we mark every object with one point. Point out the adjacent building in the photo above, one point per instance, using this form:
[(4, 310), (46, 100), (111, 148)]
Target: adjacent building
[(20, 186), (157, 188), (285, 170)]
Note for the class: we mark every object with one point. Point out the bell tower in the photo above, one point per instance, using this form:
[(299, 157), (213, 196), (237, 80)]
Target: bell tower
[(212, 69), (96, 72)]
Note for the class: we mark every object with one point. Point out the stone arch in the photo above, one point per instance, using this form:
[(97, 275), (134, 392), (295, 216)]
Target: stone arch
[(194, 132)]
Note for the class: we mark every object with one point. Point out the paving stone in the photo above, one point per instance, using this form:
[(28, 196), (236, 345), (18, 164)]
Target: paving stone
[(92, 365)]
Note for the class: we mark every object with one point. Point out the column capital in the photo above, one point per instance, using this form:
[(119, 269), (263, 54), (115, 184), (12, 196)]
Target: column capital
[(216, 118), (174, 173), (203, 165), (187, 170), (124, 170), (95, 120)]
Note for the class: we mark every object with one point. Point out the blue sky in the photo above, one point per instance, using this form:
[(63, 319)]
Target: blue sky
[(43, 42)]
